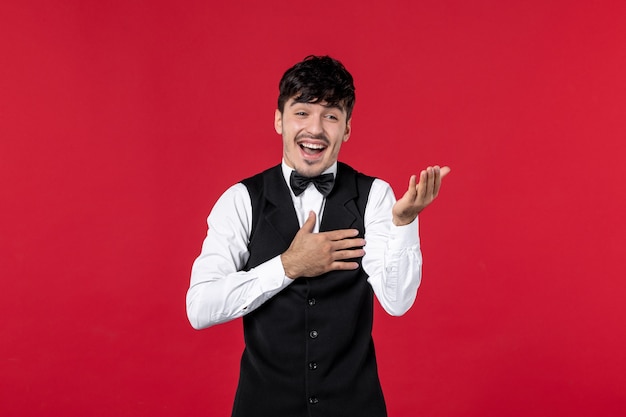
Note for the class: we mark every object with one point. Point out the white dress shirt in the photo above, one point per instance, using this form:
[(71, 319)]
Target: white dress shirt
[(220, 291)]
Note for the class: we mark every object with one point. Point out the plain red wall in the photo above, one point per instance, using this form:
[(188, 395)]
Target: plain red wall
[(121, 122)]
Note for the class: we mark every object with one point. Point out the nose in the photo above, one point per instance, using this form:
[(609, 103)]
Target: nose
[(315, 126)]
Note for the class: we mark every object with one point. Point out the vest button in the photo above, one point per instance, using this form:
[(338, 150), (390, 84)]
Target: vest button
[(312, 366), (313, 334), (312, 302), (313, 400)]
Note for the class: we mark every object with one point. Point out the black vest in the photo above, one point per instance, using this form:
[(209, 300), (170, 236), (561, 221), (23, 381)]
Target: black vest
[(309, 350)]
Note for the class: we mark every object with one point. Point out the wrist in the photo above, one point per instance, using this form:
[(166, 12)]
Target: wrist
[(403, 221), (290, 272)]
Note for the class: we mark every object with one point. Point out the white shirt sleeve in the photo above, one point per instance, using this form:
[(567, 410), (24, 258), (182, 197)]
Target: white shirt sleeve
[(219, 290), (393, 259)]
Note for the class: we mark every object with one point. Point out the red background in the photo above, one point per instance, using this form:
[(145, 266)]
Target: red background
[(121, 122)]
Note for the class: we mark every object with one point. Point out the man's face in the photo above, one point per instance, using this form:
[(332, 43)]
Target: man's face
[(312, 135)]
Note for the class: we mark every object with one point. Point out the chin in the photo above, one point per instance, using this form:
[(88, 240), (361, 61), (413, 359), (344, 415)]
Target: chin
[(312, 169)]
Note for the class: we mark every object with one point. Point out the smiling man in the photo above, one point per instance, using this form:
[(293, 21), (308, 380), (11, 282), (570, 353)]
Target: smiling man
[(300, 250)]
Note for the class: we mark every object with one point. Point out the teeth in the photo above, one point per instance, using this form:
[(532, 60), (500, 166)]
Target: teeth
[(312, 146)]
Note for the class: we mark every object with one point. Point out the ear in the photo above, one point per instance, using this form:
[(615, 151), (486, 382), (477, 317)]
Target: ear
[(346, 134), (278, 122)]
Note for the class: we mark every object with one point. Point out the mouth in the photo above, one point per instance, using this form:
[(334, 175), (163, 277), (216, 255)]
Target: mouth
[(312, 148)]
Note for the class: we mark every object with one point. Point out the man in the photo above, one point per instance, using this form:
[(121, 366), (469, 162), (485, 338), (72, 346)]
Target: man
[(299, 250)]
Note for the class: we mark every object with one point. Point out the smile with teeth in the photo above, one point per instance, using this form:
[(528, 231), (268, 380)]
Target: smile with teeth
[(312, 148)]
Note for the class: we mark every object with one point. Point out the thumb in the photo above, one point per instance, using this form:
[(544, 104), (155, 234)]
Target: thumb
[(309, 224)]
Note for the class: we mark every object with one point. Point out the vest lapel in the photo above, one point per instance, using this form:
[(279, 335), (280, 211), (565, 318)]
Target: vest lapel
[(280, 213), (341, 211)]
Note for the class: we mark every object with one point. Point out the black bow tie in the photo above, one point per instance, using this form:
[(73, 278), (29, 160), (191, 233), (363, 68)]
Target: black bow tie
[(323, 183)]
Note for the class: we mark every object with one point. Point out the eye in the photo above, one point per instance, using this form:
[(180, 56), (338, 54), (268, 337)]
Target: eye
[(332, 117), (300, 113)]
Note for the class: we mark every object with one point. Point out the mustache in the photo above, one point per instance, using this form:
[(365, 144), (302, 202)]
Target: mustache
[(319, 136)]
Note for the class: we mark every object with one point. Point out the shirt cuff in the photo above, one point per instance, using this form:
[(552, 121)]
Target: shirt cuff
[(272, 276), (401, 237)]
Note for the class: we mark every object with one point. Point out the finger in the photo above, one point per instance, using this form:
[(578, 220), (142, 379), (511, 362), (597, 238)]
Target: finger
[(412, 191), (421, 186), (430, 185), (348, 244), (348, 254), (442, 173), (309, 224), (437, 182), (341, 234), (343, 266)]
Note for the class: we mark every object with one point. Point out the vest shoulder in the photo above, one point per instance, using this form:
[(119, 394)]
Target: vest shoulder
[(343, 168), (260, 175), (346, 171), (256, 181)]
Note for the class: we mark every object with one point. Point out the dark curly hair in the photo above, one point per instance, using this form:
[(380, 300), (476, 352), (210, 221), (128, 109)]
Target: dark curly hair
[(318, 79)]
